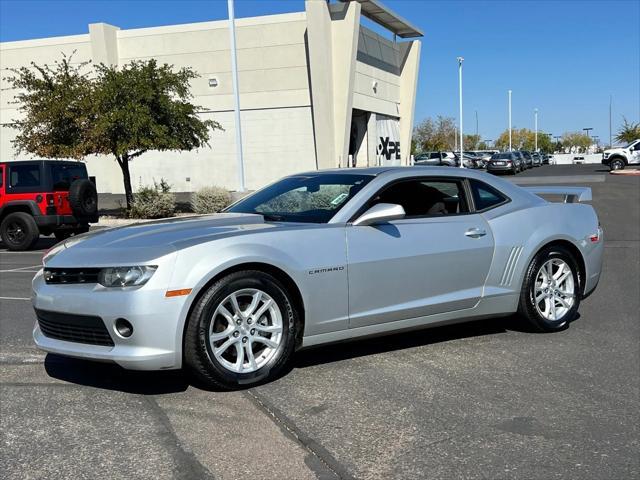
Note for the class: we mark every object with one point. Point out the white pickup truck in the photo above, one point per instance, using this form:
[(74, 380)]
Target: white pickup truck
[(618, 158)]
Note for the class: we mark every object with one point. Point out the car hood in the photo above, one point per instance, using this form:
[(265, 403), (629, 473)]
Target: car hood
[(146, 241)]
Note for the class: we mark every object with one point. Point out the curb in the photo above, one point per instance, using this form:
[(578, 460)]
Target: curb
[(625, 172)]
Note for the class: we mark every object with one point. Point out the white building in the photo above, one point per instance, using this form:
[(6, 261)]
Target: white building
[(316, 87)]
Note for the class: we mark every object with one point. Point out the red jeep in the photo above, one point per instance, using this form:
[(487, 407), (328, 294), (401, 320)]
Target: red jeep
[(44, 197)]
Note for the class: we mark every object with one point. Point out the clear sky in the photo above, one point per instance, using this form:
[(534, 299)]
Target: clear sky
[(563, 57)]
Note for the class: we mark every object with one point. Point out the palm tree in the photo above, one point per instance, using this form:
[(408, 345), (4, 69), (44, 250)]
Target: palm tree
[(628, 132)]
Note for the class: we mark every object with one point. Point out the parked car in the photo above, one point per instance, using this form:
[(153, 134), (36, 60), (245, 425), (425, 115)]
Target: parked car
[(547, 159), (618, 158), (314, 258), (44, 197), (446, 159), (520, 157), (506, 162), (473, 160), (537, 159), (527, 158)]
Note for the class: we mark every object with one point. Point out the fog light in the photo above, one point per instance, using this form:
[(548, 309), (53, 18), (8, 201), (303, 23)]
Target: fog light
[(124, 328)]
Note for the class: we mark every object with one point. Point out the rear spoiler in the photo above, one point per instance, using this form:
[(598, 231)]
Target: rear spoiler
[(571, 194)]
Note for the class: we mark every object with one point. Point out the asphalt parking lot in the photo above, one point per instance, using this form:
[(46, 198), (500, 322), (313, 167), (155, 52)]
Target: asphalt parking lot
[(479, 400)]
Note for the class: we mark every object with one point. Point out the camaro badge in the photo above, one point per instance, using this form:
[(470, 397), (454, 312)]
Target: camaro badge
[(326, 270)]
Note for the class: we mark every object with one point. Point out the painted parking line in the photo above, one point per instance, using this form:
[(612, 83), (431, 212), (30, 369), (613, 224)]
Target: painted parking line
[(22, 269), (14, 298)]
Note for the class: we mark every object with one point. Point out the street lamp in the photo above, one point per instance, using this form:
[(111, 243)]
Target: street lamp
[(236, 94), (586, 130), (535, 115), (460, 60), (509, 120)]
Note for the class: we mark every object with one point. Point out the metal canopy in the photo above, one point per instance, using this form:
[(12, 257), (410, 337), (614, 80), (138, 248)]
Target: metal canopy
[(375, 10)]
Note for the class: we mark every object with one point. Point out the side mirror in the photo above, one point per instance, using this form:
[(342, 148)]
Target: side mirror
[(380, 213)]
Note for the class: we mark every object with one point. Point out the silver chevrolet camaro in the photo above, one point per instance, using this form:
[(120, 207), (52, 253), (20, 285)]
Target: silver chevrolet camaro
[(313, 258)]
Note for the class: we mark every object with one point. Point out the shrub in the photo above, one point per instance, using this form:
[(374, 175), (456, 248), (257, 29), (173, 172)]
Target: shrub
[(210, 200), (155, 201)]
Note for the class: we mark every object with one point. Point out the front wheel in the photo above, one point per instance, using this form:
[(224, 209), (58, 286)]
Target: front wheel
[(616, 164), (550, 293), (19, 231), (241, 332)]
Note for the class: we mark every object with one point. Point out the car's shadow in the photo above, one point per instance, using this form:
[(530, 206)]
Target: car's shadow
[(43, 243), (112, 377)]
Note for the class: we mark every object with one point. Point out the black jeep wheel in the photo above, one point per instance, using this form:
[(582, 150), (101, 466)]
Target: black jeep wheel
[(19, 231)]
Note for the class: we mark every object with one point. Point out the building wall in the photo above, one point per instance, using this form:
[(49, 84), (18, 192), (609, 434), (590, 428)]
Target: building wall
[(300, 74), (277, 127)]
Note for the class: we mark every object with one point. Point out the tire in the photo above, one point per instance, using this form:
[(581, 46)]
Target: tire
[(83, 198), (540, 315), (616, 164), (19, 231), (220, 369)]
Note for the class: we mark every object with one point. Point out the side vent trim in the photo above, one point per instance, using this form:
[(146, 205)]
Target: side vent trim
[(510, 267)]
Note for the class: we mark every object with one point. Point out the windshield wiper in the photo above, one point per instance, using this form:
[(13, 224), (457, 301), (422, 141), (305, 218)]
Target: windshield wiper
[(269, 217)]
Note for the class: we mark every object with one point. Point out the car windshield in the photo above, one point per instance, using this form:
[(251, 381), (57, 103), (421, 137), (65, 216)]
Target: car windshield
[(501, 156), (313, 198), (631, 144)]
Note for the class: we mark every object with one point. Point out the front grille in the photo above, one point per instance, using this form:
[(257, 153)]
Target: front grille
[(74, 328), (71, 275)]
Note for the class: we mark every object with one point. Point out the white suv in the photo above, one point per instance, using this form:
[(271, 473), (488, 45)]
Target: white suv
[(618, 158)]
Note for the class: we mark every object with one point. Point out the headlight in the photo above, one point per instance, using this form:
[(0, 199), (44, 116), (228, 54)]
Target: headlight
[(126, 276)]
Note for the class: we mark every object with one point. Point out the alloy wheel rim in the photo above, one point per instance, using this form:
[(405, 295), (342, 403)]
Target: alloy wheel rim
[(554, 290), (15, 232), (616, 165), (245, 330)]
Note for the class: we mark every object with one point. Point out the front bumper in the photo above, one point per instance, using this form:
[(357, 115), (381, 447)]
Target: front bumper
[(156, 342)]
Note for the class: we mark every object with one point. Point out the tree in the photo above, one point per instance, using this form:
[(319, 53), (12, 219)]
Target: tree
[(435, 135), (471, 142), (524, 139), (123, 111), (55, 105), (576, 141), (628, 132)]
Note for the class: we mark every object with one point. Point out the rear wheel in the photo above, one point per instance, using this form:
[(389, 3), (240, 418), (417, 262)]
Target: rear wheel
[(550, 294), (19, 231), (241, 332)]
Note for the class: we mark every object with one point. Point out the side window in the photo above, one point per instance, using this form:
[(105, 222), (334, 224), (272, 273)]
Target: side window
[(1, 176), (426, 197), (485, 196), (24, 176)]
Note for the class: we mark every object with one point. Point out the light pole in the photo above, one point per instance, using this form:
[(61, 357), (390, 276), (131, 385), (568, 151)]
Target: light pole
[(535, 116), (586, 131), (509, 120), (460, 60), (236, 94), (477, 134), (610, 138)]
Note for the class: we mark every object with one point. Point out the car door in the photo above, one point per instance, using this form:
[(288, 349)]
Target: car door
[(434, 260), (635, 154)]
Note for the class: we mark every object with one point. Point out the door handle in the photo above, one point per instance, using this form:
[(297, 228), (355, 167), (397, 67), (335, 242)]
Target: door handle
[(475, 232)]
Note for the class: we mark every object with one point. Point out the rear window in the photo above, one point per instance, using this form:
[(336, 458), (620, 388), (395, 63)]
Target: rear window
[(63, 175), (501, 156), (24, 176)]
